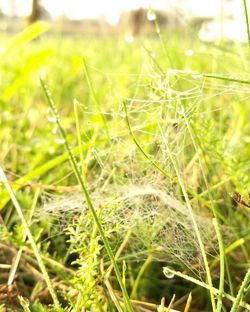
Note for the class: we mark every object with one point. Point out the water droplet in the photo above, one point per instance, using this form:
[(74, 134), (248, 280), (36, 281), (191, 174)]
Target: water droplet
[(151, 15), (153, 55), (59, 141), (168, 273), (181, 110), (197, 76), (43, 73), (129, 38), (75, 102), (50, 116), (189, 52), (169, 92), (123, 115), (55, 129)]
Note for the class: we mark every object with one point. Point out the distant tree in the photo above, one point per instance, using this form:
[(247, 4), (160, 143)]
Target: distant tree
[(37, 12), (34, 11), (138, 18), (2, 15)]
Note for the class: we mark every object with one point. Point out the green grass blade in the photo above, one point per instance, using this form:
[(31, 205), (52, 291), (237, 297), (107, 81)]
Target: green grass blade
[(247, 22), (28, 34), (222, 264), (95, 99), (139, 276), (78, 132), (87, 198), (31, 240), (244, 288), (230, 79), (168, 271), (192, 217)]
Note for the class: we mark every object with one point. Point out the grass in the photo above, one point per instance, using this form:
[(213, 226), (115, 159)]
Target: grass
[(123, 188)]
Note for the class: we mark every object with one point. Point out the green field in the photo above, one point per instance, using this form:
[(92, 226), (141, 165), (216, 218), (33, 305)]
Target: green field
[(119, 163)]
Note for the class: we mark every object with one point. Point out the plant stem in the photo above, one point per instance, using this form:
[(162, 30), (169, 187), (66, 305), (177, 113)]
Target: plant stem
[(242, 292), (247, 22), (222, 264), (32, 241), (193, 280), (87, 197), (192, 217), (93, 94), (226, 78)]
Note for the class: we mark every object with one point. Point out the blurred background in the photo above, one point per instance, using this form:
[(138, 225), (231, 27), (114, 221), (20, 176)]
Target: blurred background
[(211, 20)]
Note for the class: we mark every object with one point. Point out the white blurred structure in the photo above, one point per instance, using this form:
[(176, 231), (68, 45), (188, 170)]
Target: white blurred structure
[(223, 20), (229, 30), (219, 19)]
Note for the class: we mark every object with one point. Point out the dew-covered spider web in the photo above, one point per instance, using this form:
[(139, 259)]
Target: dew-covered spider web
[(190, 113)]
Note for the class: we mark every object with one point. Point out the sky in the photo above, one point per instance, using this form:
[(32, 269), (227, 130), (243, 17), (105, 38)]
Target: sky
[(111, 9)]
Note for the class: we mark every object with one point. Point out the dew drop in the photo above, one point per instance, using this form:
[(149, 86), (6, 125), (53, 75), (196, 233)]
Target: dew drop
[(168, 273), (50, 116), (197, 76), (123, 115), (189, 52), (129, 38), (59, 141), (151, 16), (55, 129), (75, 102), (181, 110)]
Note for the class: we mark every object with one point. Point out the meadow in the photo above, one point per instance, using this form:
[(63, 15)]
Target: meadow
[(124, 173)]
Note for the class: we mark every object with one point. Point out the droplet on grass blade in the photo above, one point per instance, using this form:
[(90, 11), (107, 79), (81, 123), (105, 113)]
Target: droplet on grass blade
[(189, 52), (50, 116), (129, 38), (151, 16), (181, 110), (55, 129), (75, 102), (123, 115), (168, 273), (59, 141), (197, 76)]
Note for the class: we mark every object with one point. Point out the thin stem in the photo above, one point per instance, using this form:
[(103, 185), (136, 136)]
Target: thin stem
[(167, 271), (78, 131), (87, 197), (94, 97), (244, 288), (139, 276), (226, 78), (222, 264), (247, 22), (192, 217), (19, 254), (32, 241)]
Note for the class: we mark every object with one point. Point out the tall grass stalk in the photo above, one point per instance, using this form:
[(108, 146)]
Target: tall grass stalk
[(78, 132), (139, 276), (19, 254), (94, 97), (247, 23), (168, 271), (244, 288), (230, 79), (31, 240), (87, 197), (222, 264), (192, 217), (209, 278)]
